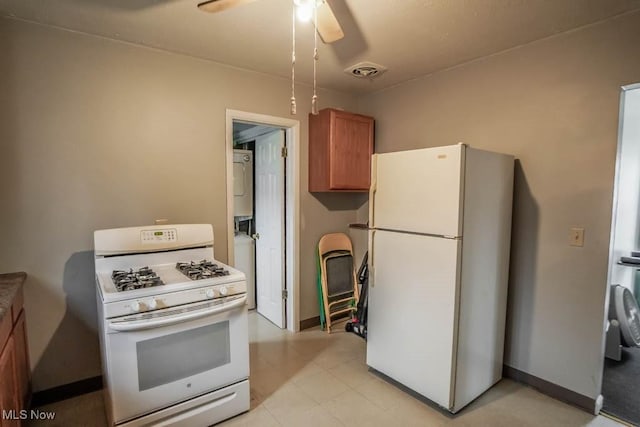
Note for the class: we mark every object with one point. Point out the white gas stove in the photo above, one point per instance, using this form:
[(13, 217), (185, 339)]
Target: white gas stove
[(173, 323)]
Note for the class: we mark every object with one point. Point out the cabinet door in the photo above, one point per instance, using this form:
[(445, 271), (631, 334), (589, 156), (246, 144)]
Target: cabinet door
[(23, 370), (351, 149), (8, 389)]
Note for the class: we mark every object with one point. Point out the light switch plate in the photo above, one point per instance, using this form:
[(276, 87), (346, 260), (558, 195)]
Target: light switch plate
[(576, 236)]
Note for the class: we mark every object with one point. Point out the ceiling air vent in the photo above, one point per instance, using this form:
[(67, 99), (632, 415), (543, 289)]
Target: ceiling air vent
[(366, 70)]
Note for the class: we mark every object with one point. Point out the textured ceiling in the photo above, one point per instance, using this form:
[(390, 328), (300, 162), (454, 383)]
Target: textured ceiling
[(410, 37)]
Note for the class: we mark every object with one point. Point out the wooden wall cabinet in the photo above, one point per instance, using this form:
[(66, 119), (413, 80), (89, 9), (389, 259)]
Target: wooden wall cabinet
[(340, 149), (15, 371)]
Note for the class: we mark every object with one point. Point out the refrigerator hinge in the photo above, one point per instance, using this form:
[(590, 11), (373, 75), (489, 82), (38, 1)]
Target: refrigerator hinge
[(285, 294), (284, 152)]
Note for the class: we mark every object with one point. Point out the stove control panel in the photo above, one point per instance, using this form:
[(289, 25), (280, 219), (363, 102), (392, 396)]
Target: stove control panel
[(146, 305), (150, 303), (159, 235), (222, 291)]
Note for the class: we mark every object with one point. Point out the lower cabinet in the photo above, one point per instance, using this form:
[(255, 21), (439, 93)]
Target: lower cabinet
[(23, 370), (15, 371), (9, 394)]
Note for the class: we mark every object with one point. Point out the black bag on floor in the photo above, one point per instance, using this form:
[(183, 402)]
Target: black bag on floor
[(358, 325)]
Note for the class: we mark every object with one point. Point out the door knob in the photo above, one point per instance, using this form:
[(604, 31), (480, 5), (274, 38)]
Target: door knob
[(255, 236)]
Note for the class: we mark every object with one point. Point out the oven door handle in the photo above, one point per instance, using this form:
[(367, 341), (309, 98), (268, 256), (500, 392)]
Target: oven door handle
[(137, 325)]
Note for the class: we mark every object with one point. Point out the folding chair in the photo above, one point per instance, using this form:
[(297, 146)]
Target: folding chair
[(337, 278)]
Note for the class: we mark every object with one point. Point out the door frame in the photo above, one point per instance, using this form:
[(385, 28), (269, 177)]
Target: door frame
[(612, 255), (292, 202)]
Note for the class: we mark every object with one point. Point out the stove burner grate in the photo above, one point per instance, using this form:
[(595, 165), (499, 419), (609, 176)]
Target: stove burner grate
[(131, 280), (201, 270)]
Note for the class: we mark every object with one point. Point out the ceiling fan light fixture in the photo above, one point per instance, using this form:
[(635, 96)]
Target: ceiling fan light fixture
[(304, 12), (305, 9), (325, 24)]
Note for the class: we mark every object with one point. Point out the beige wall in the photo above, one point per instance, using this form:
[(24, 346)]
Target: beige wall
[(554, 105), (100, 134)]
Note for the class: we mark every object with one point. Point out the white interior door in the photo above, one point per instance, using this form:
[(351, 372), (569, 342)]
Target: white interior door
[(412, 300), (270, 231), (419, 191)]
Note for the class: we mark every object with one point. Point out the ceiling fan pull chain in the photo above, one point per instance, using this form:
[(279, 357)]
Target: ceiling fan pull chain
[(293, 61), (314, 98)]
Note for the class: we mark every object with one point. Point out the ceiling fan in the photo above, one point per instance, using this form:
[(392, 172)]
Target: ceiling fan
[(328, 26)]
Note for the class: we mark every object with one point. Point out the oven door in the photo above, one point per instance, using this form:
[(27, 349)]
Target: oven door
[(162, 358)]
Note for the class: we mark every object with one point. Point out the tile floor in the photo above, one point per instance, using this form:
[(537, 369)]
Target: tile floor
[(315, 379)]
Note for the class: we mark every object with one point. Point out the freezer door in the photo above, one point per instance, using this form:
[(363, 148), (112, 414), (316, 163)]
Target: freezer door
[(418, 190), (412, 311)]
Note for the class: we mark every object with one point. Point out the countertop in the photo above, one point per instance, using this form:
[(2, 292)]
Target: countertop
[(9, 285)]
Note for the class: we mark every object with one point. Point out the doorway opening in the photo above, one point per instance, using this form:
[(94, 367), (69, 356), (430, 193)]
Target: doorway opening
[(263, 212), (621, 356)]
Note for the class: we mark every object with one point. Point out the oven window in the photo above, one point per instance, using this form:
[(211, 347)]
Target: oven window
[(180, 355)]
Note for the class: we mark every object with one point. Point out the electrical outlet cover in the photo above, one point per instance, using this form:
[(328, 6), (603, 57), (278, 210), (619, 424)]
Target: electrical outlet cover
[(576, 237)]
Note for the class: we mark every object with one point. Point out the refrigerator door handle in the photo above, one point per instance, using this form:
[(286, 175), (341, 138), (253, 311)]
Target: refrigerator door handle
[(373, 189), (372, 268), (372, 205)]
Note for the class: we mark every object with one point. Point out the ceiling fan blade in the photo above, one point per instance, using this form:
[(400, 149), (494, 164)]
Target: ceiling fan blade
[(213, 6), (328, 26)]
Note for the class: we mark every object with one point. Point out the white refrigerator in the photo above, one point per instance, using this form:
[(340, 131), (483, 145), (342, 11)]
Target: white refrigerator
[(439, 238)]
